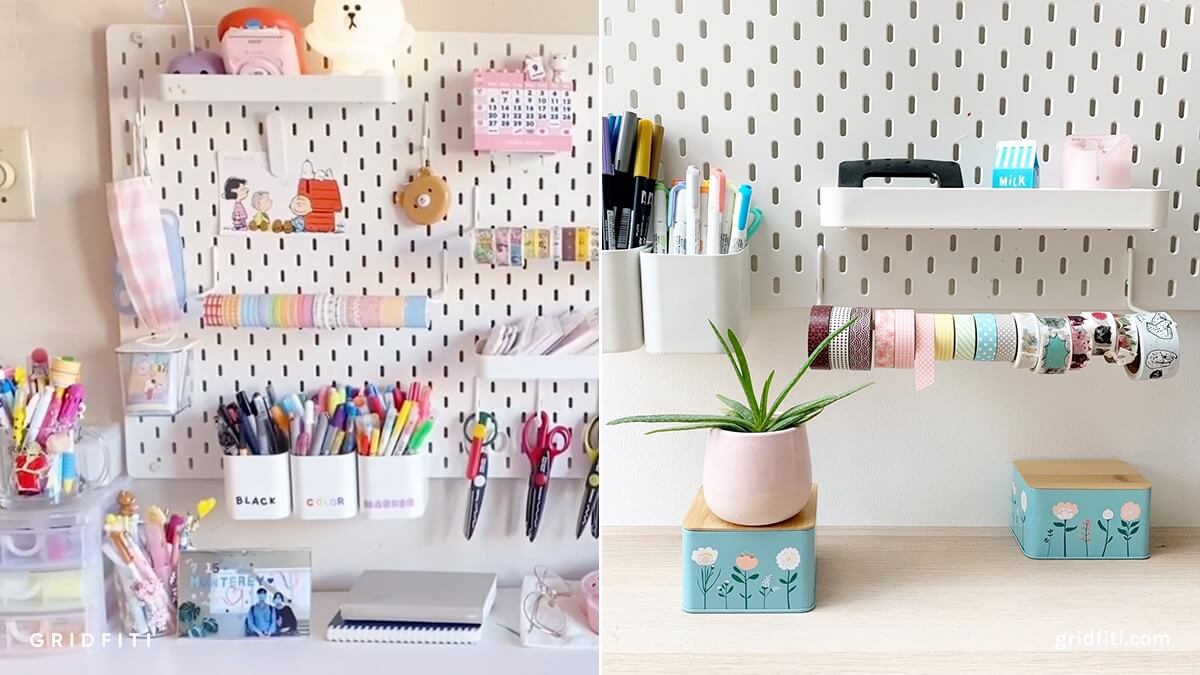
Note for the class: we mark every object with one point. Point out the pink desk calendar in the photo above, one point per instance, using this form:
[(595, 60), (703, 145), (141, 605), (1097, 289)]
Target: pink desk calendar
[(516, 114)]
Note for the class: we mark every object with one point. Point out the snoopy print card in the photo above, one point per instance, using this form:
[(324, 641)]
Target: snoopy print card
[(245, 594), (252, 200)]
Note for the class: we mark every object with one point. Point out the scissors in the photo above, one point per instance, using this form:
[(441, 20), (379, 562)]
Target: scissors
[(482, 433), (541, 447), (589, 511)]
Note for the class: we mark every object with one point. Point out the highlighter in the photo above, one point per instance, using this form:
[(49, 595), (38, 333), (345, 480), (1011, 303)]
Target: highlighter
[(660, 218), (716, 212), (691, 224), (643, 186), (741, 219), (675, 216)]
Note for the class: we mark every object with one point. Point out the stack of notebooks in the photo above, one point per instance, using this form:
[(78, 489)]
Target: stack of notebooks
[(415, 608)]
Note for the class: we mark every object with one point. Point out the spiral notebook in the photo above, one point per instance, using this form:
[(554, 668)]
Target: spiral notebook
[(403, 632)]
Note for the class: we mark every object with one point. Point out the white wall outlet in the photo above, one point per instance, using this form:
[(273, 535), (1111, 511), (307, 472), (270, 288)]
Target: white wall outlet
[(16, 175)]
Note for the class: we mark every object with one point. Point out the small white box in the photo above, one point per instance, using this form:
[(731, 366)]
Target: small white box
[(621, 300), (682, 293), (394, 486), (325, 487), (258, 487)]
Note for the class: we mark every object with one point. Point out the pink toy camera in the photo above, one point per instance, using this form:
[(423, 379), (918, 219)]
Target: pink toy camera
[(260, 51)]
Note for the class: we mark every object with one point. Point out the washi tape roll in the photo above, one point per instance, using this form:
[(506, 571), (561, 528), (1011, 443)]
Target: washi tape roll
[(1028, 341), (885, 338), (1006, 337), (964, 337), (985, 337), (943, 337), (1126, 349), (1103, 329), (213, 315), (1054, 355), (1158, 347), (1081, 342), (924, 339), (860, 338), (818, 330), (906, 336), (839, 349)]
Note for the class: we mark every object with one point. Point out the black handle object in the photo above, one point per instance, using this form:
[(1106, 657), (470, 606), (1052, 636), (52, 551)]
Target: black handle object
[(852, 173)]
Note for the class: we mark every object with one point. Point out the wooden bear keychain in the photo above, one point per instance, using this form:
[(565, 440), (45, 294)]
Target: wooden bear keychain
[(425, 200)]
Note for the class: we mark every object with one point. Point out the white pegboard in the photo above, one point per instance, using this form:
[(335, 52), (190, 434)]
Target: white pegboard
[(777, 93), (380, 254)]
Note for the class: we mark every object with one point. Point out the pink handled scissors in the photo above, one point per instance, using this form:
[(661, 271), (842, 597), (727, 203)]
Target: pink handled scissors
[(540, 443)]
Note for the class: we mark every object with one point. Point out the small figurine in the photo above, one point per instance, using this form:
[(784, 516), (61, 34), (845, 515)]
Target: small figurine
[(360, 37), (127, 510), (535, 71), (559, 64)]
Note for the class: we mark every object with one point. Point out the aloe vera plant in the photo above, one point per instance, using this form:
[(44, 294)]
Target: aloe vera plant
[(753, 416)]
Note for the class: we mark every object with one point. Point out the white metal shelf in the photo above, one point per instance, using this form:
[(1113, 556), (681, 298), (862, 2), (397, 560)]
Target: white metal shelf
[(991, 209)]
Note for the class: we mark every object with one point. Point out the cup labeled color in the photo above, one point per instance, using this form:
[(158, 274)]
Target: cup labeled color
[(325, 487)]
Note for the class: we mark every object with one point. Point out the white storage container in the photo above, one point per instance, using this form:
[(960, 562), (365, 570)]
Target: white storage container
[(258, 487), (682, 293), (395, 486), (325, 487), (621, 300)]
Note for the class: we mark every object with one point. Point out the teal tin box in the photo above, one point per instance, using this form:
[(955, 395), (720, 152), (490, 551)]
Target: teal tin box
[(1087, 509), (730, 569)]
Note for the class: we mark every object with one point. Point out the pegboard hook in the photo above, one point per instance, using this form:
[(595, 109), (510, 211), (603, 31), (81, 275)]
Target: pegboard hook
[(440, 293), (820, 274), (214, 267), (1129, 251), (425, 134)]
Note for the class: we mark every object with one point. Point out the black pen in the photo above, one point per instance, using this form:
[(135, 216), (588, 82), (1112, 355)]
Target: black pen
[(622, 181)]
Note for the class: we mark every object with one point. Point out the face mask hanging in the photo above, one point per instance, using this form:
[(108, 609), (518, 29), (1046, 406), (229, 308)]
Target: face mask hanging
[(143, 255)]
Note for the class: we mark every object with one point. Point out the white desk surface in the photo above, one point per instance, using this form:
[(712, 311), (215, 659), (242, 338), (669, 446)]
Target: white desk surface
[(499, 652), (911, 600)]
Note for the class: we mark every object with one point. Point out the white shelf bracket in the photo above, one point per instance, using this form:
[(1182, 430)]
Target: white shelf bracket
[(275, 127)]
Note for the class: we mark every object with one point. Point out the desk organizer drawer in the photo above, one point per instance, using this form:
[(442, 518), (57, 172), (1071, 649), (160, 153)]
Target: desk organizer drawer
[(41, 548), (31, 634), (57, 591), (731, 568), (1080, 509)]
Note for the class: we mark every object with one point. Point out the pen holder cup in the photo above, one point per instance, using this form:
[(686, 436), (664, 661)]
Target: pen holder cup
[(325, 487), (157, 376), (258, 487), (396, 486), (621, 300), (682, 293), (144, 606)]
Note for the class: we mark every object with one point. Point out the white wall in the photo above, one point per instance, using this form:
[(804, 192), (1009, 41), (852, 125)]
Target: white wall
[(889, 456), (52, 82)]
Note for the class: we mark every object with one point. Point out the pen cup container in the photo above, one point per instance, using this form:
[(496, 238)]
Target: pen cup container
[(325, 487), (258, 487), (144, 605), (395, 486), (621, 300), (682, 293)]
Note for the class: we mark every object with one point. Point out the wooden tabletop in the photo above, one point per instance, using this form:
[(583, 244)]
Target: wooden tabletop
[(915, 599)]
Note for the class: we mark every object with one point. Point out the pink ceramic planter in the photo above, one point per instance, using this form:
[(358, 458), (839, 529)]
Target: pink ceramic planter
[(757, 479)]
